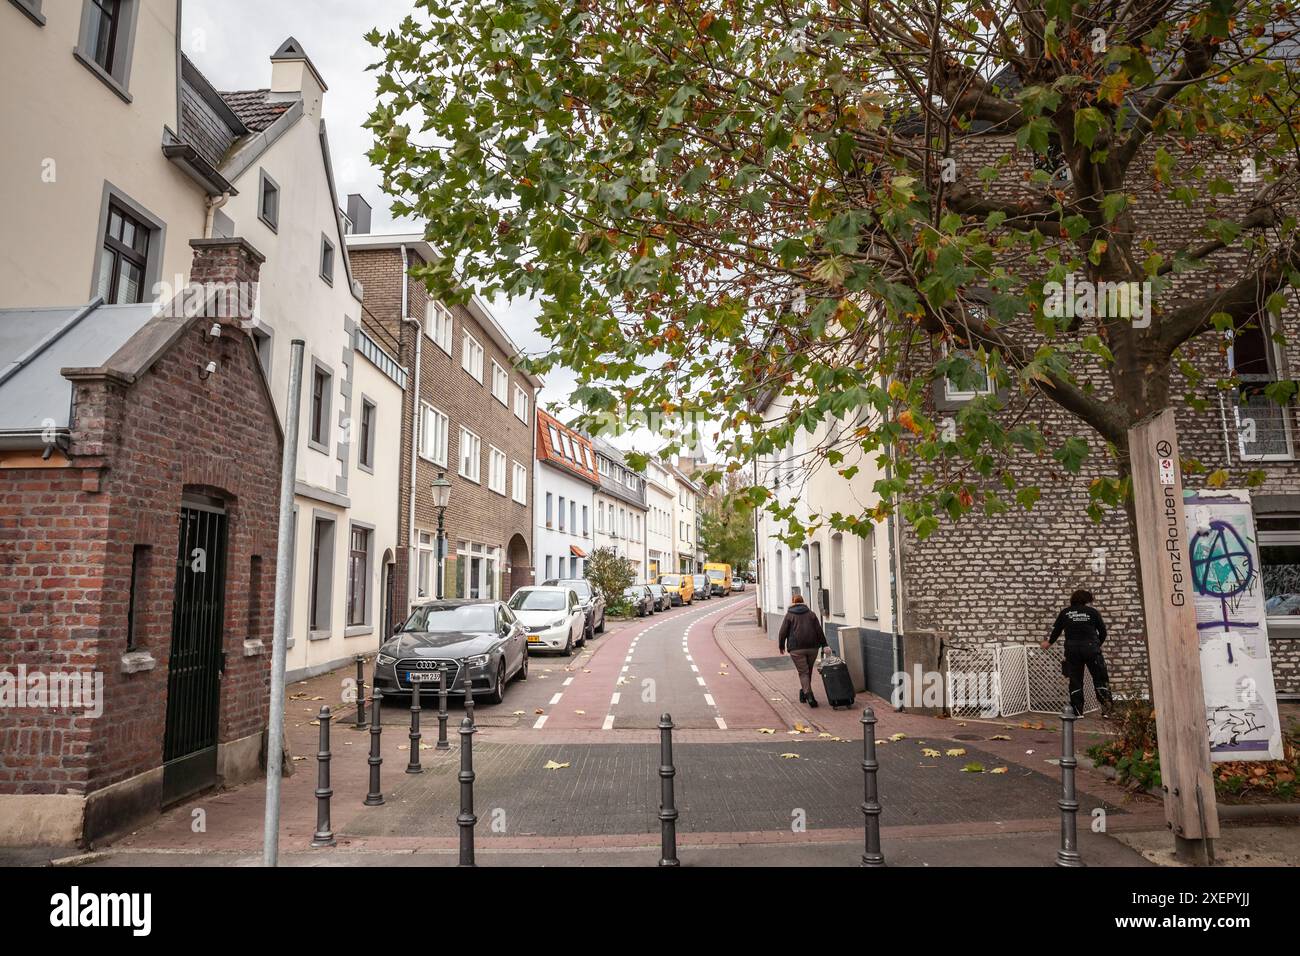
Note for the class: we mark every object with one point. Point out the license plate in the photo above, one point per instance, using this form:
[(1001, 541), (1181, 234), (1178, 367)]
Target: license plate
[(532, 639), (418, 677)]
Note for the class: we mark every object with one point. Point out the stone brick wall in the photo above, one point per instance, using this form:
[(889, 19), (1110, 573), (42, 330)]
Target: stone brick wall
[(476, 514), (1003, 578), (67, 536)]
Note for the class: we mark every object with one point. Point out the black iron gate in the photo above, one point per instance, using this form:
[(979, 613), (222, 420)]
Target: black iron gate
[(197, 660)]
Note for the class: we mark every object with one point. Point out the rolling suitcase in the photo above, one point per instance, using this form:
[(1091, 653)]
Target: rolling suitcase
[(837, 682)]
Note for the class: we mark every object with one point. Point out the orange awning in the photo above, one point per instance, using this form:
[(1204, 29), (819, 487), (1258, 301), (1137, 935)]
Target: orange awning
[(576, 551)]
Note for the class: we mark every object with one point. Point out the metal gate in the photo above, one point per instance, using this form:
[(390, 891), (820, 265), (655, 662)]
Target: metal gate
[(1003, 680), (194, 672)]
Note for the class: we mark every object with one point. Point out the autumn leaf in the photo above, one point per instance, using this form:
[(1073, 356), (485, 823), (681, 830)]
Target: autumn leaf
[(956, 752), (789, 756), (897, 737), (999, 737), (998, 770), (552, 765), (972, 767), (766, 730), (930, 752)]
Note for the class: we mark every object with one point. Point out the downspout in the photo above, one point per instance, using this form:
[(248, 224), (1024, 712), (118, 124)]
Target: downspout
[(412, 545), (213, 203), (895, 576)]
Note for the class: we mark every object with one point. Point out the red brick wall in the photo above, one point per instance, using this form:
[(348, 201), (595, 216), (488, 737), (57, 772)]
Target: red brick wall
[(66, 541)]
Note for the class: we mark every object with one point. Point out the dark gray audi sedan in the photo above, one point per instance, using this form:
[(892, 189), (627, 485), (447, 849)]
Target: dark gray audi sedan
[(479, 641)]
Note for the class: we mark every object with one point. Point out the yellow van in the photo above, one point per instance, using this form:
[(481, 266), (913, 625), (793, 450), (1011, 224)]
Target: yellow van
[(719, 576), (680, 588)]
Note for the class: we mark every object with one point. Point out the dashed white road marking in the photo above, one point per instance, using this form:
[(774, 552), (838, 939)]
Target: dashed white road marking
[(614, 700), (541, 721), (700, 680), (609, 722), (568, 681), (722, 724), (708, 699), (556, 699)]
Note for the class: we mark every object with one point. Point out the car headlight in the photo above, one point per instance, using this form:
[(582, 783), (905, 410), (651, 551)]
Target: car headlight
[(559, 622), (478, 660), (384, 659)]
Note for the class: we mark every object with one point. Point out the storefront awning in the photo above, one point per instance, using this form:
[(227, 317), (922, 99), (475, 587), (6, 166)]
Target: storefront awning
[(576, 551)]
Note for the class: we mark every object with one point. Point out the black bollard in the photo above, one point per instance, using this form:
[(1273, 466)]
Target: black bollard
[(469, 697), (466, 819), (442, 708), (667, 808), (324, 835), (375, 798), (413, 765), (1068, 854), (871, 855), (361, 692)]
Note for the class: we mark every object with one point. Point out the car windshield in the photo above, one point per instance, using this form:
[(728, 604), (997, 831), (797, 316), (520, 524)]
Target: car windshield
[(717, 575), (672, 580), (538, 601), (469, 617), (634, 591), (582, 588)]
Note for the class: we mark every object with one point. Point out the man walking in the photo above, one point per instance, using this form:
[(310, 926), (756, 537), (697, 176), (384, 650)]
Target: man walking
[(1085, 632), (802, 634)]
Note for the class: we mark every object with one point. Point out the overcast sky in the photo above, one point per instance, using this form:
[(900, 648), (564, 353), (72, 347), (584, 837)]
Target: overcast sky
[(231, 41)]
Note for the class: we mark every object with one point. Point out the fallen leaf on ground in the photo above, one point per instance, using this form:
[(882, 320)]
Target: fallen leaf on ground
[(552, 765), (961, 724), (956, 752), (928, 752), (789, 756), (1028, 751), (802, 728), (897, 737), (766, 730), (999, 737), (973, 768), (823, 735), (580, 713), (539, 711), (998, 770), (881, 741), (517, 713)]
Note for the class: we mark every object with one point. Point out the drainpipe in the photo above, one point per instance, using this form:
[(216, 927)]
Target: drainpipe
[(213, 203), (895, 601), (412, 544)]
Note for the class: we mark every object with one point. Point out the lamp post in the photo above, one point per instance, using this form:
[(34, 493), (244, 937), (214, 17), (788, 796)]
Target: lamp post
[(441, 495)]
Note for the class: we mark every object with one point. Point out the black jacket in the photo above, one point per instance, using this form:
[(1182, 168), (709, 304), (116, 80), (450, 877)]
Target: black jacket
[(1081, 624), (800, 631)]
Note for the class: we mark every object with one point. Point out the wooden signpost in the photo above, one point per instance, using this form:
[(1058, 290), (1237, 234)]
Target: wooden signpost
[(1173, 645)]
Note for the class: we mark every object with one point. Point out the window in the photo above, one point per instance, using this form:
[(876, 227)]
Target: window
[(359, 578), (1263, 427), (600, 516), (471, 451), (573, 515), (1279, 558), (318, 434), (968, 379), (424, 574), (366, 448), (327, 260), (136, 608), (561, 512), (433, 435), (519, 485), (496, 470), (322, 573), (584, 521), (254, 598), (548, 569), (262, 340), (837, 574), (500, 383), (124, 258), (780, 579), (568, 446), (471, 357), (521, 403), (33, 10), (550, 502), (106, 39), (268, 202), (437, 324), (867, 562)]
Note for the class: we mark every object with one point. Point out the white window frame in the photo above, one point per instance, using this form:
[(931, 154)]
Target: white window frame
[(952, 394), (439, 453), (502, 378), (438, 324), (472, 356), (522, 403), (496, 470), (519, 484), (477, 444)]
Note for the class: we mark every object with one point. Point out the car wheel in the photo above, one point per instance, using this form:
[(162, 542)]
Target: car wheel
[(601, 628), (523, 668), (499, 692), (568, 646)]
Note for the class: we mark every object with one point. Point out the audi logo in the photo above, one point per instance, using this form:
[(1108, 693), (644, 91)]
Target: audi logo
[(427, 665)]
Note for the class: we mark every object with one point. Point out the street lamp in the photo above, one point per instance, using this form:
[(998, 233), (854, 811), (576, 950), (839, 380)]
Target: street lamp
[(441, 496)]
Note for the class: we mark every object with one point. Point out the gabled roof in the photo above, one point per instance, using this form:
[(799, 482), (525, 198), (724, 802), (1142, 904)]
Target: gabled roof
[(557, 456), (255, 108)]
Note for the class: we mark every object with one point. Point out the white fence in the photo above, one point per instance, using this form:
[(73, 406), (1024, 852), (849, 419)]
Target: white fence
[(1003, 680)]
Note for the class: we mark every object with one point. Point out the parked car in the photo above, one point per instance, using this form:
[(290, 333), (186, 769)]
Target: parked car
[(719, 576), (589, 596), (553, 617), (738, 583), (642, 601), (702, 588), (663, 600), (680, 587), (479, 642)]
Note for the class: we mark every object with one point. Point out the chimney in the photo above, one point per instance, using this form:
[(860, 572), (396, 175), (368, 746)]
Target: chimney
[(293, 74), (359, 213), (228, 271)]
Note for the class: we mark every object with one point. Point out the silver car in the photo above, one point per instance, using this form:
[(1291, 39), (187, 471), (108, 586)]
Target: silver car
[(479, 643)]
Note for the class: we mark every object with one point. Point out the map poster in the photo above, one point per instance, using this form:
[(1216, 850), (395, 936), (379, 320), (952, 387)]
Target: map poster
[(1236, 672)]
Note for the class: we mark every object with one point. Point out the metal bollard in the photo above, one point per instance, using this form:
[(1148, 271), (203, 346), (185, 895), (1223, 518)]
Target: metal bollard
[(442, 708), (1068, 854), (413, 764), (466, 819), (871, 856), (361, 692), (375, 798), (324, 835), (667, 808), (469, 697)]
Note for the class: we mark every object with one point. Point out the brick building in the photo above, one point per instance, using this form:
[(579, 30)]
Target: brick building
[(139, 487), (468, 415)]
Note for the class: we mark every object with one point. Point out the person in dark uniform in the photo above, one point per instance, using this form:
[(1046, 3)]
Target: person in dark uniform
[(1084, 632)]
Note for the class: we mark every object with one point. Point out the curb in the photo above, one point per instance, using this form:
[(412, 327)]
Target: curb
[(782, 708)]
